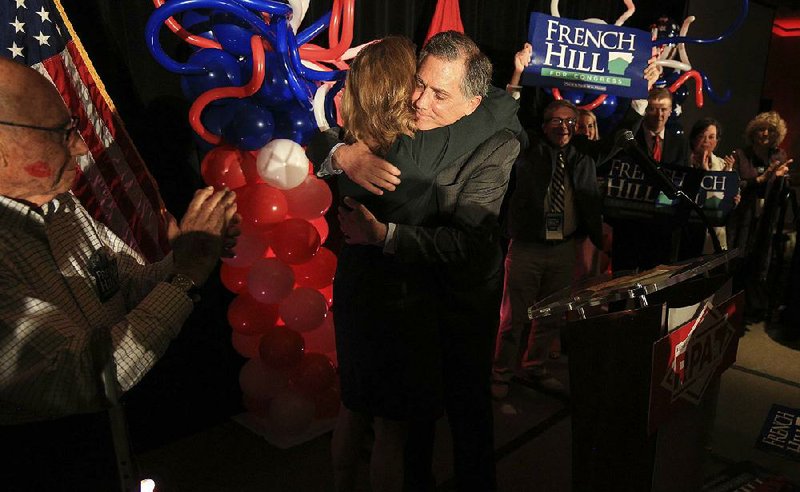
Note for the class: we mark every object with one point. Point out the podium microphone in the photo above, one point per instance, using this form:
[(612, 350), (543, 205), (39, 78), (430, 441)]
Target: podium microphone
[(625, 140)]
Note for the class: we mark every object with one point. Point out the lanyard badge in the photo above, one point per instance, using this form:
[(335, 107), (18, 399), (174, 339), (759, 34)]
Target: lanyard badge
[(103, 269)]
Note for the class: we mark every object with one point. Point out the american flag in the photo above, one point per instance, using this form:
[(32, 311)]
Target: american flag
[(114, 185)]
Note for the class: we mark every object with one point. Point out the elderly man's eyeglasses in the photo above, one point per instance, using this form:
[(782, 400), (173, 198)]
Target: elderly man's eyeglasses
[(562, 121), (65, 131)]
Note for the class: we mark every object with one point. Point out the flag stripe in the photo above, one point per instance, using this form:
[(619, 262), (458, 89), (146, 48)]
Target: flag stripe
[(103, 155), (141, 190)]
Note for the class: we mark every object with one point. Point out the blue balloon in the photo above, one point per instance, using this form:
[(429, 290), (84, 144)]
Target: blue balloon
[(575, 97), (607, 107), (251, 126), (680, 95), (330, 104), (197, 23), (297, 123), (232, 34), (215, 117), (174, 7), (221, 70), (275, 92)]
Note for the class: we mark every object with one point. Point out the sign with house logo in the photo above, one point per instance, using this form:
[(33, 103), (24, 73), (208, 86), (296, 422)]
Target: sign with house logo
[(578, 55), (690, 358), (629, 193)]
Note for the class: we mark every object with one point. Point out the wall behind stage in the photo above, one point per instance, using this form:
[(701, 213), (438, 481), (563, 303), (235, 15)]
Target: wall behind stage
[(782, 90), (737, 63)]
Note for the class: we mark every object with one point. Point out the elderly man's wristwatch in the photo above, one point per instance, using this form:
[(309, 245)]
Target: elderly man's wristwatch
[(186, 284)]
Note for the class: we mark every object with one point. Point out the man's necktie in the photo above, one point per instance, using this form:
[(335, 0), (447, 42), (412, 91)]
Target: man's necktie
[(657, 148), (557, 186)]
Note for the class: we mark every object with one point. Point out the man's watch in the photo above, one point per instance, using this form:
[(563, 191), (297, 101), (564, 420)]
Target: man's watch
[(186, 284)]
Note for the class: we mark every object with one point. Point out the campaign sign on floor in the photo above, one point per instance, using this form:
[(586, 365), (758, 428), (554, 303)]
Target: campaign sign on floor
[(781, 432), (630, 193), (690, 358), (577, 55)]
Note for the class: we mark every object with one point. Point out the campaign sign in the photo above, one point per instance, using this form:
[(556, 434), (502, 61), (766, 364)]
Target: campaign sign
[(572, 54), (630, 193), (688, 359), (781, 432), (718, 190)]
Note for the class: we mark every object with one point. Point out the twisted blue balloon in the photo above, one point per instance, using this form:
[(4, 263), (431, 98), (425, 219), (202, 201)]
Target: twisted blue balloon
[(278, 34), (686, 39), (161, 14), (299, 90), (305, 72), (269, 6), (714, 97), (314, 29), (330, 107)]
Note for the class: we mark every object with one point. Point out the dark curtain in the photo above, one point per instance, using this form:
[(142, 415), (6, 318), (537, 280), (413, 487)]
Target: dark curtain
[(196, 382)]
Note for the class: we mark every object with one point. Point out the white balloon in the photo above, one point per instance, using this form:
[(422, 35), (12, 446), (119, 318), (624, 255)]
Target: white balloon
[(282, 163), (299, 9), (319, 107)]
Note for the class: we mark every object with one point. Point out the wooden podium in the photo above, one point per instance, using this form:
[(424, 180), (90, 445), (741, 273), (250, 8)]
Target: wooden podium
[(645, 355)]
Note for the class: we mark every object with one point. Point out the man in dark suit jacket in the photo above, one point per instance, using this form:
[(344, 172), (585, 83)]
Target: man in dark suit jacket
[(645, 244), (662, 145), (556, 198), (458, 237)]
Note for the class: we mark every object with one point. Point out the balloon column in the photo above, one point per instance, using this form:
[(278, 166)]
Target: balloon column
[(669, 42), (260, 91)]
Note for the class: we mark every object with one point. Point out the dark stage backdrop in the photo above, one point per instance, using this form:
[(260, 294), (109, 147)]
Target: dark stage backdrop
[(196, 383)]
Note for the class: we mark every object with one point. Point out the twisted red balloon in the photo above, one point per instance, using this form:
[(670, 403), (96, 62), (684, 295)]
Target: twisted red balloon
[(340, 14), (588, 107), (698, 85), (190, 38), (212, 95)]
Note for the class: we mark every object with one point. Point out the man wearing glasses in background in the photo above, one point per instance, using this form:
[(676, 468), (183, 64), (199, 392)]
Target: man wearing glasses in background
[(74, 299), (556, 197), (556, 200)]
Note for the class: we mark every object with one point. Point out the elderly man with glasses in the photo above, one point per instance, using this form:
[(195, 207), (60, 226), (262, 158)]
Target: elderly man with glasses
[(75, 300)]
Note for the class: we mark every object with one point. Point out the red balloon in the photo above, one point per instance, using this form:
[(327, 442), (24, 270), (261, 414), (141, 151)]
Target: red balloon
[(281, 348), (222, 166), (247, 250), (261, 206), (323, 339), (261, 382), (303, 309), (246, 345), (318, 272), (234, 279), (321, 225), (313, 374), (270, 280), (290, 413), (327, 292), (256, 406), (294, 241), (310, 199), (327, 403), (250, 317), (250, 168)]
